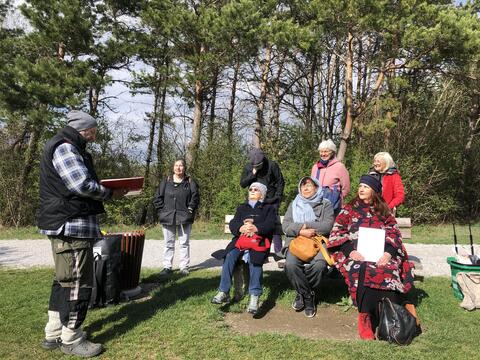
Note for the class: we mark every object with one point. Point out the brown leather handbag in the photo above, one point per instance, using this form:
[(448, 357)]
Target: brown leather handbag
[(306, 248)]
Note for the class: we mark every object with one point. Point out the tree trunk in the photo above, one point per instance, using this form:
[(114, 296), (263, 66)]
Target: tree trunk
[(329, 91), (93, 101), (211, 120), (347, 129), (30, 157), (260, 123), (310, 111), (277, 99), (148, 160), (231, 107), (197, 125), (466, 175), (161, 125)]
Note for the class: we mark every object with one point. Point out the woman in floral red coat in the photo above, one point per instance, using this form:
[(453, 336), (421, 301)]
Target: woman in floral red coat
[(368, 282)]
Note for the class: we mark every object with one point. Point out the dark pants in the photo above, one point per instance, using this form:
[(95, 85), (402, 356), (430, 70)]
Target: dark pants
[(368, 298), (277, 237), (304, 277)]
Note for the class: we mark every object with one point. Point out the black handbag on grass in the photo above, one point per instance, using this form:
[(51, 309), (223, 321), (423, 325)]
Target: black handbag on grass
[(396, 324)]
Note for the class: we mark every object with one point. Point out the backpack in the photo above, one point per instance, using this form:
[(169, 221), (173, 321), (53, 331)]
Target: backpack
[(107, 267), (333, 195)]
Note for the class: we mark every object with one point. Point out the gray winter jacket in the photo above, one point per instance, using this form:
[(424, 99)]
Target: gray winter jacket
[(323, 223)]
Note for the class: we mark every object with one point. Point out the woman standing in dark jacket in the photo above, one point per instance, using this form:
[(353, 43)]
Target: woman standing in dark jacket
[(251, 217), (176, 201)]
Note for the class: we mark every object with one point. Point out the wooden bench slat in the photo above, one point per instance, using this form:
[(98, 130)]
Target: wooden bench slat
[(406, 233), (404, 222), (404, 225)]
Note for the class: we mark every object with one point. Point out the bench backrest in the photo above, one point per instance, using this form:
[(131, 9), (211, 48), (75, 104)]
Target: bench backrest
[(404, 224)]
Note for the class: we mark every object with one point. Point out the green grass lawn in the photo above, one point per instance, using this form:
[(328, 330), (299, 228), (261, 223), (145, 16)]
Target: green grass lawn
[(421, 234), (178, 322)]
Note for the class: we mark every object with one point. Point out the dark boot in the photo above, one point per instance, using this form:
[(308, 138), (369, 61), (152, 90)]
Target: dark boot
[(365, 326), (298, 303), (310, 306)]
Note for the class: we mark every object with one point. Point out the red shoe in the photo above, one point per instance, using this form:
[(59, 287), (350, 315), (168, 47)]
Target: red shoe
[(365, 327)]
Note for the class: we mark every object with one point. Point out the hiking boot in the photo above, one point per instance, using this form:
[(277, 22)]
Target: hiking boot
[(84, 349), (184, 272), (221, 298), (310, 307), (166, 272), (253, 304), (51, 344), (298, 304)]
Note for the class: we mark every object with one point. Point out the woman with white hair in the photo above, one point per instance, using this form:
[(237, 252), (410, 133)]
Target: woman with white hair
[(332, 175), (385, 170), (252, 227)]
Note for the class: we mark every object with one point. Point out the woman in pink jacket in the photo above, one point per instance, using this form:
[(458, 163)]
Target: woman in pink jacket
[(332, 175)]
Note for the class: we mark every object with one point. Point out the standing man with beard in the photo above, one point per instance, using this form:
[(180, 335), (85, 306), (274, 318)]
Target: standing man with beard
[(70, 201), (267, 172)]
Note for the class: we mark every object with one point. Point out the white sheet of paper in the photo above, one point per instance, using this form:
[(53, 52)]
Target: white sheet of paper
[(371, 243)]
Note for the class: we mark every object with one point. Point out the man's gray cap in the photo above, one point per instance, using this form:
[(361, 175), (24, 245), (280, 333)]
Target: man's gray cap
[(256, 156), (80, 120)]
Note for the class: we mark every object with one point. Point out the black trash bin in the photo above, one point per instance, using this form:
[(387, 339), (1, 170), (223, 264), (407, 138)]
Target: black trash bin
[(107, 269)]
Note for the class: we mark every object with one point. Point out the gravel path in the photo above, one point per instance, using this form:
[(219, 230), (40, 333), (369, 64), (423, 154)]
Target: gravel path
[(30, 253)]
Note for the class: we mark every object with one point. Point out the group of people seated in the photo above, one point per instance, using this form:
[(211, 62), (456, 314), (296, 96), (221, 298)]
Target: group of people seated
[(319, 209)]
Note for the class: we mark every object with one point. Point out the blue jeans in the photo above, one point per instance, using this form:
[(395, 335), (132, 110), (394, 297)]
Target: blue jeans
[(255, 284)]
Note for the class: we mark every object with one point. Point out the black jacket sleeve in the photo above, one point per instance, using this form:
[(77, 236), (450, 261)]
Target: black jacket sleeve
[(247, 177), (195, 196), (267, 226), (236, 223), (278, 183), (158, 200)]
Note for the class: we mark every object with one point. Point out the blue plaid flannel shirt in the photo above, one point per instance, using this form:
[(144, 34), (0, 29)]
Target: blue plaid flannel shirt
[(70, 166)]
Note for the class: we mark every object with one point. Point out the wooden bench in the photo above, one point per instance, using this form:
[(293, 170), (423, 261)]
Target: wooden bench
[(404, 224), (228, 218)]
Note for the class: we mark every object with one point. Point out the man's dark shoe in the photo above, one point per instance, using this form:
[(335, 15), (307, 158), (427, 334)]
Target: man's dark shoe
[(51, 344), (298, 304), (310, 306), (166, 272), (84, 349)]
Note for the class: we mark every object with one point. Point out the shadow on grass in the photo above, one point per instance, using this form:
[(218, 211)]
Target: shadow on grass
[(331, 290), (168, 292)]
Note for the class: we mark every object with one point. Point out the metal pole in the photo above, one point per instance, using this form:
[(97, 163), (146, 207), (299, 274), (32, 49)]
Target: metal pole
[(455, 238), (471, 238)]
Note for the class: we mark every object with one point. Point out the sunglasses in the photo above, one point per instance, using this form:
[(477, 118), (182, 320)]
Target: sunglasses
[(254, 189)]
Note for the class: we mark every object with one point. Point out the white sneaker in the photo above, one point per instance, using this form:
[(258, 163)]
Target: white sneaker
[(253, 304), (221, 298)]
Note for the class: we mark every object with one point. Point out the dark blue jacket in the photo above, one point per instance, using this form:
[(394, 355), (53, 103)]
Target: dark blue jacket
[(264, 218)]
